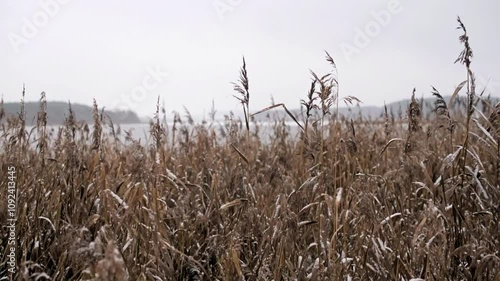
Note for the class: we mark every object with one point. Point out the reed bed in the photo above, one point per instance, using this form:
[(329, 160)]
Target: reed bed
[(346, 199)]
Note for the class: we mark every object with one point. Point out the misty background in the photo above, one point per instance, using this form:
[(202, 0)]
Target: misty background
[(127, 53)]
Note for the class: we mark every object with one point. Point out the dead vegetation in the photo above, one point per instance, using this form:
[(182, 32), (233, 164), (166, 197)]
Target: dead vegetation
[(343, 200)]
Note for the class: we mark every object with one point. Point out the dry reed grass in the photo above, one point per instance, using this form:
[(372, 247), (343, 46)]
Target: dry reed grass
[(324, 206)]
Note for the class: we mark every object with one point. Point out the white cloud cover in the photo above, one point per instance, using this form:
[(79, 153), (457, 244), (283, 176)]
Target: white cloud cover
[(102, 49)]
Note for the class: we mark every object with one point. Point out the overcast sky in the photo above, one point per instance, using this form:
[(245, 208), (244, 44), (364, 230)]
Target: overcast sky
[(125, 53)]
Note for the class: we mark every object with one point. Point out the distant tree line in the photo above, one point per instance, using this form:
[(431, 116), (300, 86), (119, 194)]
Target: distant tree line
[(57, 112)]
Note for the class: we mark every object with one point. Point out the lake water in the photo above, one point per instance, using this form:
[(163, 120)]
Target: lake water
[(141, 132)]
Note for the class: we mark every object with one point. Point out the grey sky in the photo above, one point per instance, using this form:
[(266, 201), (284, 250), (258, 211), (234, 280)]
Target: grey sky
[(118, 50)]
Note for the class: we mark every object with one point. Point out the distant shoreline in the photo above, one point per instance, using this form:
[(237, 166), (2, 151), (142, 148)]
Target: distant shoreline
[(58, 111)]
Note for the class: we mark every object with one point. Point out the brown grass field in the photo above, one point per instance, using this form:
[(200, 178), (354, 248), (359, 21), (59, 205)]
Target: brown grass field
[(341, 201)]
